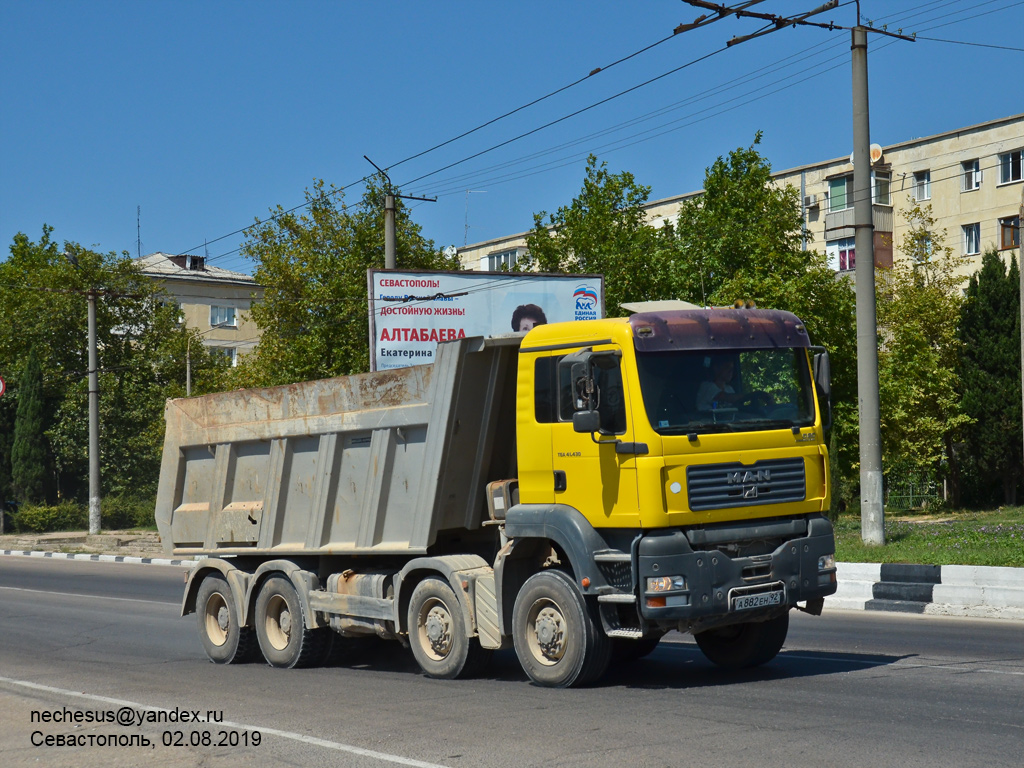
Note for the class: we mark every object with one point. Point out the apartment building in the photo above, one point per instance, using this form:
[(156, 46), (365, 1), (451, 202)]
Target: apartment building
[(214, 301), (971, 177)]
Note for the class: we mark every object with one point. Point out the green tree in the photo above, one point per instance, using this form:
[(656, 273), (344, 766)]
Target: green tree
[(30, 459), (43, 309), (989, 335), (918, 304), (604, 231), (313, 317)]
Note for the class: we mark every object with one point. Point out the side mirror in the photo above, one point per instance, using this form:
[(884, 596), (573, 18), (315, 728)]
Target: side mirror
[(823, 383), (586, 421)]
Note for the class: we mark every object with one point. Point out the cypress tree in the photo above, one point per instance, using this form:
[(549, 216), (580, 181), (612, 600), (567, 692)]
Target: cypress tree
[(990, 372), (29, 456)]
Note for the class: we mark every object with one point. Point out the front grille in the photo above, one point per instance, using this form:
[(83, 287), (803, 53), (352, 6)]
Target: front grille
[(773, 481)]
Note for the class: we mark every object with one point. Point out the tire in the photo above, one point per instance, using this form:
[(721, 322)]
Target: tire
[(557, 640), (741, 646), (437, 633), (224, 639), (284, 639)]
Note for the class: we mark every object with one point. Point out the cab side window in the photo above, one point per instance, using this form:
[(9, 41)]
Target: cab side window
[(555, 401)]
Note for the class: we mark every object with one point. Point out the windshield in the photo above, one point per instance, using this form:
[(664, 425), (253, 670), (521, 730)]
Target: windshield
[(726, 391)]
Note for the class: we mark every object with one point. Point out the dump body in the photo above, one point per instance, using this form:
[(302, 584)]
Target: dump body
[(372, 463)]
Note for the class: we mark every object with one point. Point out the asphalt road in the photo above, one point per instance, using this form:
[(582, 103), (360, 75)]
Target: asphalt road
[(849, 689)]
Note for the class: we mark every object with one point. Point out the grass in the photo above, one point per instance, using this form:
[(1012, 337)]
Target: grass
[(993, 537)]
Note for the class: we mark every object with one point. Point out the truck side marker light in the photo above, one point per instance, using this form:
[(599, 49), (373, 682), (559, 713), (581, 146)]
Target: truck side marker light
[(585, 582), (675, 487)]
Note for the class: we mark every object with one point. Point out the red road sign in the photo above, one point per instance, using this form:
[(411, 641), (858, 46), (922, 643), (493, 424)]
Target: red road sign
[(3, 385)]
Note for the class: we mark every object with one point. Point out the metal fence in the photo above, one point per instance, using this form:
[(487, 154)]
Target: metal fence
[(911, 494)]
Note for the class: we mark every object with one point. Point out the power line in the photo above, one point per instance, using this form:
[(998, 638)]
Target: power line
[(701, 21), (976, 45)]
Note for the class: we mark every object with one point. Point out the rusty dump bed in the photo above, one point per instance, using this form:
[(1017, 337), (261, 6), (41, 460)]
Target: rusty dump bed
[(377, 462)]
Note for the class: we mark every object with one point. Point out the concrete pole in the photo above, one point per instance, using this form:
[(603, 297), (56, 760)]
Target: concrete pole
[(389, 232), (872, 520), (94, 423), (188, 367)]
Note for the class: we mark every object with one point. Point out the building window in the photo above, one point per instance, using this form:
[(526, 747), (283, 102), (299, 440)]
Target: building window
[(223, 316), (838, 199), (1010, 167), (923, 185), (502, 260), (880, 184), (841, 254), (970, 179), (230, 353), (1009, 232), (972, 239)]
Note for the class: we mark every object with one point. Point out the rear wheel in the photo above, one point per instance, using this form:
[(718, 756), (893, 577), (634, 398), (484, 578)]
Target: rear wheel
[(224, 639), (741, 646), (557, 639), (437, 633), (284, 639)]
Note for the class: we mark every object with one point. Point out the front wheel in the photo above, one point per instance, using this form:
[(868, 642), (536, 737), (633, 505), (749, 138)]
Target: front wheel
[(741, 646), (224, 639), (557, 639)]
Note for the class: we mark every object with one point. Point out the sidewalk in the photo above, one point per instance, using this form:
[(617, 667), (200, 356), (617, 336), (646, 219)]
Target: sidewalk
[(129, 545), (947, 590)]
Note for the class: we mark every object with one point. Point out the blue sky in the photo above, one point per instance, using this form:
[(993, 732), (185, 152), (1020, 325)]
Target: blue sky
[(208, 114)]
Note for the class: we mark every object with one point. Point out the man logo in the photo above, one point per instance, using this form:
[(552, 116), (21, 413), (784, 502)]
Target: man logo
[(749, 476)]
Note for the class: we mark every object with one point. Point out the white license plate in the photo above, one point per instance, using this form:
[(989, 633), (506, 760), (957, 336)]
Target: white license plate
[(760, 600)]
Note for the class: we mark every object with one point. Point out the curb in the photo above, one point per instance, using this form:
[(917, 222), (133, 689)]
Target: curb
[(100, 558), (936, 590)]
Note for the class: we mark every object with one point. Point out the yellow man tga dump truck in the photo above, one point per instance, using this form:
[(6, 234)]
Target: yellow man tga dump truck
[(575, 492)]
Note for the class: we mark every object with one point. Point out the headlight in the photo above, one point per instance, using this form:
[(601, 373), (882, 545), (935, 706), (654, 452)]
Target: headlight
[(665, 583), (825, 562)]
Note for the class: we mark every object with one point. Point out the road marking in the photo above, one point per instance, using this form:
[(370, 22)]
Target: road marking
[(97, 597), (300, 737)]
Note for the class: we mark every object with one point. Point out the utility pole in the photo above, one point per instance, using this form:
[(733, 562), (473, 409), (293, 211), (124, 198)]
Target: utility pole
[(94, 408), (871, 499), (94, 421), (390, 235), (389, 231), (872, 507)]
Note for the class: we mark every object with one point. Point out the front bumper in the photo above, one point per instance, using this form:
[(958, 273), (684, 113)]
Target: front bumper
[(712, 577)]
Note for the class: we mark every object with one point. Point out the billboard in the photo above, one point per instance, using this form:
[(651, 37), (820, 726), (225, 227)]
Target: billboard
[(410, 312)]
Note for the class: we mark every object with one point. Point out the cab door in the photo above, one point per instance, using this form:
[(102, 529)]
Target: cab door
[(590, 474)]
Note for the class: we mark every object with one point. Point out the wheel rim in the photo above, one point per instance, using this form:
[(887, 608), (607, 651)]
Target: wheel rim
[(218, 619), (434, 629), (278, 623), (546, 632)]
